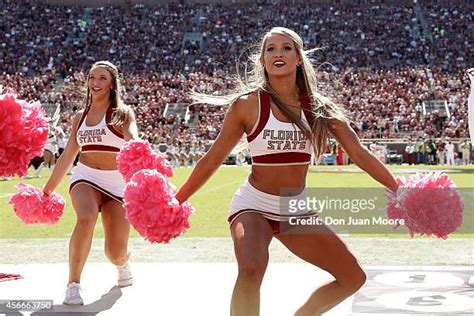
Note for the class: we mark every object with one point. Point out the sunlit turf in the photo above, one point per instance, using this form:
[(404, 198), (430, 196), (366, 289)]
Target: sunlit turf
[(212, 201)]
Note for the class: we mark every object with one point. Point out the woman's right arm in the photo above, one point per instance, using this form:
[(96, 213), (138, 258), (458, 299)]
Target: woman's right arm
[(66, 159), (232, 130)]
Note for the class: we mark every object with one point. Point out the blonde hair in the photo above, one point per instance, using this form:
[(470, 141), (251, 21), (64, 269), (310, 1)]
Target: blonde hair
[(121, 112), (255, 79)]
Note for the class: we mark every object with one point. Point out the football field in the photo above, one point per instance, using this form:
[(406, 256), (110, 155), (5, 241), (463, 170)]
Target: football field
[(213, 200), (406, 276)]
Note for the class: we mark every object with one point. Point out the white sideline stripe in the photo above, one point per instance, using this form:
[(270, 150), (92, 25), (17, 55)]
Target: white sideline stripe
[(203, 191), (220, 187)]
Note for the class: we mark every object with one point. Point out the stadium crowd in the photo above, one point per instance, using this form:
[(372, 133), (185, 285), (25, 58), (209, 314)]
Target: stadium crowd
[(376, 60)]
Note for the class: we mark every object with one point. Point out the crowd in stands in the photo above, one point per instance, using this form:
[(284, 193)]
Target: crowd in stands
[(388, 103), (354, 34), (377, 60), (450, 23)]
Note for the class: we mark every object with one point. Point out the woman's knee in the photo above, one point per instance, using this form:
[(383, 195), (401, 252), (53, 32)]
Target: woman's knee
[(354, 280), (252, 270), (252, 262), (116, 255), (86, 219), (251, 234), (86, 204)]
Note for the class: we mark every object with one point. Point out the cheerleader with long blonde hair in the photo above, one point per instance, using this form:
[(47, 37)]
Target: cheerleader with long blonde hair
[(285, 119)]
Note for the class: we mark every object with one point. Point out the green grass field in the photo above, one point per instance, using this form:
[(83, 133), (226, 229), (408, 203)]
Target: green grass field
[(213, 200)]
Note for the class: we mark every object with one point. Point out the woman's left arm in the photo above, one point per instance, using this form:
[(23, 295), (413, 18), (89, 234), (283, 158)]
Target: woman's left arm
[(360, 155), (130, 130)]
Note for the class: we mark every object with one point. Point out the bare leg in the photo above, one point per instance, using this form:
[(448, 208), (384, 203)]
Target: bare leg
[(46, 160), (85, 200), (320, 246), (117, 232), (251, 234), (52, 162)]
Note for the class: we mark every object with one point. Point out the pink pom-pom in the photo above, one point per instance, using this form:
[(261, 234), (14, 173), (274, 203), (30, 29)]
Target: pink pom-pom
[(136, 155), (23, 133), (163, 165), (32, 206), (429, 204), (151, 208)]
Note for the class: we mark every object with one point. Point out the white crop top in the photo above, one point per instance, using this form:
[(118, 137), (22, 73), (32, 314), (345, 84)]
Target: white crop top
[(273, 142), (103, 137)]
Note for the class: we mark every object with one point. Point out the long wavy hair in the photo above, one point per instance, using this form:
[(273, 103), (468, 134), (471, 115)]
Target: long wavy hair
[(120, 114), (256, 78)]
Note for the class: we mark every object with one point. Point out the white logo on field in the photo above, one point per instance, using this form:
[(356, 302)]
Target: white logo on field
[(429, 302), (417, 279)]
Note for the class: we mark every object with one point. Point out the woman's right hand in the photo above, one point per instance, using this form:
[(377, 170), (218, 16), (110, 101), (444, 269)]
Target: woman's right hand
[(47, 191)]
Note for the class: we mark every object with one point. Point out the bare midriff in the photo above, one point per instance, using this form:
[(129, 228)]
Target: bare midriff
[(101, 161), (279, 180)]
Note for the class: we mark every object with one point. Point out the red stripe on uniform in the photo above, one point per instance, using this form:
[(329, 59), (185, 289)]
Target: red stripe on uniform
[(264, 114), (306, 105), (108, 119), (115, 131), (283, 158), (100, 148), (95, 186), (83, 117)]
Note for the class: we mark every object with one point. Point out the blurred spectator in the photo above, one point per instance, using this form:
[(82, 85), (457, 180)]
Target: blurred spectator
[(410, 151)]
